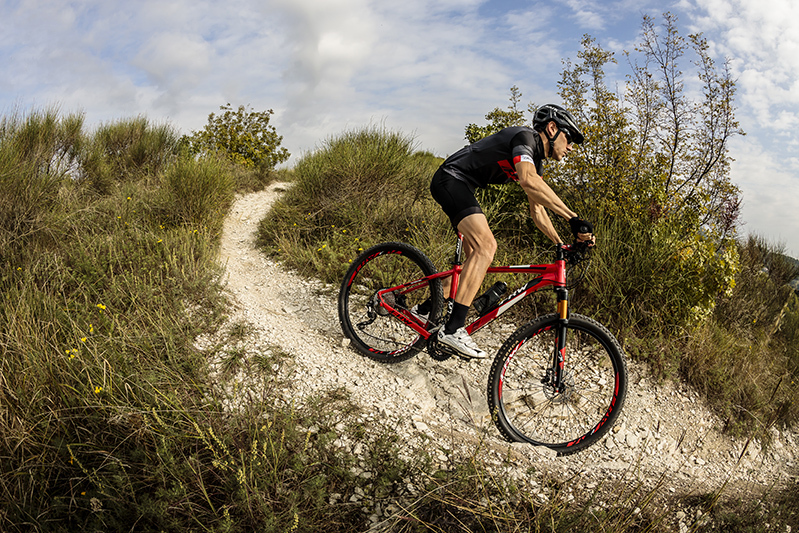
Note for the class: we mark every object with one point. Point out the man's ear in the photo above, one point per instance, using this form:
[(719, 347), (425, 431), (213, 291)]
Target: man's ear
[(552, 128)]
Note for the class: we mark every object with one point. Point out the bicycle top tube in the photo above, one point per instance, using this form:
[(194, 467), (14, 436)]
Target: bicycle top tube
[(550, 273)]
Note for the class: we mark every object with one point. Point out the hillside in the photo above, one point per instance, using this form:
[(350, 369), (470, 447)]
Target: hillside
[(666, 437)]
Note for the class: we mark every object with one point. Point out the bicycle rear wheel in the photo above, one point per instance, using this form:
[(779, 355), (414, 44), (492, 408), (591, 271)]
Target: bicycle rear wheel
[(373, 331), (526, 408)]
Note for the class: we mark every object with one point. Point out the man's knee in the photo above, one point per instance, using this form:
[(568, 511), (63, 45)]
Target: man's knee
[(479, 239), (483, 246)]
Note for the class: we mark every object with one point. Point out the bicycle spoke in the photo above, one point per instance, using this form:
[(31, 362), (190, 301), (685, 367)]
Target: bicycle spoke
[(375, 283), (527, 404)]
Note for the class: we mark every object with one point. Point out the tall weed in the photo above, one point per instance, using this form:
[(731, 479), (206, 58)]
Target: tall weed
[(36, 153), (128, 151), (99, 379)]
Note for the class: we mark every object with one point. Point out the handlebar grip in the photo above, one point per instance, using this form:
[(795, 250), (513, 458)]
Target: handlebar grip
[(578, 225)]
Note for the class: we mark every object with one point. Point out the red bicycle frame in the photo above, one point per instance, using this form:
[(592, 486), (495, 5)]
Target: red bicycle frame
[(550, 274)]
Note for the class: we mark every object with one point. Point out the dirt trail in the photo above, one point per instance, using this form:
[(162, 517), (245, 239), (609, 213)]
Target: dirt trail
[(664, 429)]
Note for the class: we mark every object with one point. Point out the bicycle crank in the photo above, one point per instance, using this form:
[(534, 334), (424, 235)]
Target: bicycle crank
[(438, 351)]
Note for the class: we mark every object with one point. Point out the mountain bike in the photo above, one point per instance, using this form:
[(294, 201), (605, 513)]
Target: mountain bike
[(559, 381)]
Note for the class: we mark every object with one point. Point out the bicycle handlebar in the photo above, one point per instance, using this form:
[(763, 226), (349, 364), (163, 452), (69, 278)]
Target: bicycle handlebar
[(575, 253)]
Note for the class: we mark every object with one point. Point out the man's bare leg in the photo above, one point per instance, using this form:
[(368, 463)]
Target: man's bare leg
[(479, 248)]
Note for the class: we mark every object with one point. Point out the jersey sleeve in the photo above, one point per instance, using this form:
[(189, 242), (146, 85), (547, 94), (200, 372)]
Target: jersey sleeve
[(523, 149)]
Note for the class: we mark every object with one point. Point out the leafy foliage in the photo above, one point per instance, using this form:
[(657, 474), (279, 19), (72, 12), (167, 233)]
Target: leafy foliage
[(243, 136)]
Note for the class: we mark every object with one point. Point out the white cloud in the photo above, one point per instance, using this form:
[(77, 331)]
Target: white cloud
[(763, 44), (420, 66), (174, 60), (769, 191)]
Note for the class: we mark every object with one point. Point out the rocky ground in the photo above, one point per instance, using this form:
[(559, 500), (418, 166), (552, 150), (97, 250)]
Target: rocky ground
[(665, 432)]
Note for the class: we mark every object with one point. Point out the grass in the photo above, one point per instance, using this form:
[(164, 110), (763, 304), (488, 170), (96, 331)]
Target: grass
[(108, 246), (357, 190), (112, 417)]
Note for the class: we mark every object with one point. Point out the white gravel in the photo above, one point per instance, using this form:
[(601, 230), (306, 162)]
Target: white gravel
[(664, 431)]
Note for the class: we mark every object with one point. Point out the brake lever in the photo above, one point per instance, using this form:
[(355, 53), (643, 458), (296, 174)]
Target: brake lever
[(578, 252)]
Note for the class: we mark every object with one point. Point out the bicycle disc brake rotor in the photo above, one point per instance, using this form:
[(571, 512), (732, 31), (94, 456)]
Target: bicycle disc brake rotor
[(560, 397)]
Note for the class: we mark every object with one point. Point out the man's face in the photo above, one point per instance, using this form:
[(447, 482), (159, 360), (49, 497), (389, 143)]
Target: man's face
[(562, 145)]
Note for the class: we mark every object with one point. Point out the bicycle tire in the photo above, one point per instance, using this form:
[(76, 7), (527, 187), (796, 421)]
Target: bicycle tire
[(524, 409), (373, 332)]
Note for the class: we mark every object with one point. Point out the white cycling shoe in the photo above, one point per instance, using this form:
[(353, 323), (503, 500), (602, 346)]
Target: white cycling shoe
[(461, 342)]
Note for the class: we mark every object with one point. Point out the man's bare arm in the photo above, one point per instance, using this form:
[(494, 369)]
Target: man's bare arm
[(543, 222), (538, 192), (541, 196)]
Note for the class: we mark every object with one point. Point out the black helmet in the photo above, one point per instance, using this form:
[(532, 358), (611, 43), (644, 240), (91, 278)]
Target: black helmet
[(562, 118)]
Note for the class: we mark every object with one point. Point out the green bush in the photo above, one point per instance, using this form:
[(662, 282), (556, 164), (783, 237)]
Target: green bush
[(244, 137), (199, 192), (359, 189)]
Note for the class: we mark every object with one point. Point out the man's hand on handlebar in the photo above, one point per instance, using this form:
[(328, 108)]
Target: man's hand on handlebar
[(583, 231)]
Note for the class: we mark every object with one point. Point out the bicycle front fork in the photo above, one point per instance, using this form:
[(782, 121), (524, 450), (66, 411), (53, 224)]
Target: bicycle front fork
[(559, 355)]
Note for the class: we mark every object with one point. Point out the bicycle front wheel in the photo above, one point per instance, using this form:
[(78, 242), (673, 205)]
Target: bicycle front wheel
[(526, 407), (373, 330)]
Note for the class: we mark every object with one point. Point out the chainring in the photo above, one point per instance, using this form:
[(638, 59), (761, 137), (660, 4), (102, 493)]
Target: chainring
[(436, 350)]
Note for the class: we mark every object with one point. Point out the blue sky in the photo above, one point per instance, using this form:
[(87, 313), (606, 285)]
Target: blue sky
[(427, 68)]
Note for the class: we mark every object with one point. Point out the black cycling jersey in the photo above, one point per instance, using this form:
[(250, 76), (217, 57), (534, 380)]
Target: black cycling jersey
[(493, 159)]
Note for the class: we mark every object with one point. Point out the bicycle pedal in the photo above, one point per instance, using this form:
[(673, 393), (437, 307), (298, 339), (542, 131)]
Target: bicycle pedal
[(449, 350)]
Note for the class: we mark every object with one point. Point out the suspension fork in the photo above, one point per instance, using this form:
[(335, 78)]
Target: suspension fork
[(559, 355)]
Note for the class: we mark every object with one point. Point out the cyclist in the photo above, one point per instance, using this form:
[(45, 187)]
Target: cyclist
[(512, 154)]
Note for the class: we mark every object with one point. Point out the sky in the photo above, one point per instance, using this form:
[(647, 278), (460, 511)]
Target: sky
[(426, 68)]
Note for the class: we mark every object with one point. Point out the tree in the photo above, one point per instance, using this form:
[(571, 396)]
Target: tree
[(688, 139), (653, 174), (243, 136)]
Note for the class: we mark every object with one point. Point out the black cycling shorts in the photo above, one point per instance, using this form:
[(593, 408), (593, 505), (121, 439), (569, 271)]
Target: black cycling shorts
[(456, 197)]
